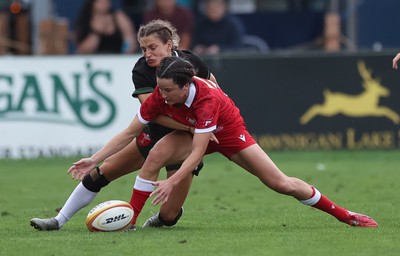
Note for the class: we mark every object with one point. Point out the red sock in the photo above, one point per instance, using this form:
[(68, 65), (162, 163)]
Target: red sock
[(138, 200), (322, 203), (326, 205)]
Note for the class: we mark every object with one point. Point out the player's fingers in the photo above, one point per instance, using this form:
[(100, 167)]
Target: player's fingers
[(395, 60), (81, 176), (160, 198), (165, 199), (71, 169), (154, 193), (78, 162), (76, 174), (156, 200), (73, 175), (216, 140)]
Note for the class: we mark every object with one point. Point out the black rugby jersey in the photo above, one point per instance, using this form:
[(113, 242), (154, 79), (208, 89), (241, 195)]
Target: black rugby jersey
[(144, 80)]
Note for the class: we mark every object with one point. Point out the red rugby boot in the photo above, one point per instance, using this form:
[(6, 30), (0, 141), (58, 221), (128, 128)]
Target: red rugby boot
[(360, 220)]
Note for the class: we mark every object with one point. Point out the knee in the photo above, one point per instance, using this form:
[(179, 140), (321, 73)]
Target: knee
[(284, 186), (95, 180), (156, 157), (108, 170)]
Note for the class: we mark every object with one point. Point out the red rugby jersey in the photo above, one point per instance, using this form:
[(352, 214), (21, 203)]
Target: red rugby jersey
[(207, 108)]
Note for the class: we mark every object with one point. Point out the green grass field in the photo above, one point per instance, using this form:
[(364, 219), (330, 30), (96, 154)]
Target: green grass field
[(228, 211)]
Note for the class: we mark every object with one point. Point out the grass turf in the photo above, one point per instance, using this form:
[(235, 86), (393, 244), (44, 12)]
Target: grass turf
[(228, 211)]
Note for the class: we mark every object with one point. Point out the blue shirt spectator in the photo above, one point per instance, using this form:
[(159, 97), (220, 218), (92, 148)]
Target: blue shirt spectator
[(218, 30), (180, 17)]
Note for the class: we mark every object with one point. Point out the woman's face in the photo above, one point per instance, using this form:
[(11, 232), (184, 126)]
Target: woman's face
[(215, 10), (154, 50), (101, 6), (166, 6), (172, 93)]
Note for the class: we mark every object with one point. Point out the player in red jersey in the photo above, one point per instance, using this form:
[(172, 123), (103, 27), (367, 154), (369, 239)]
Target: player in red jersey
[(157, 39), (202, 104)]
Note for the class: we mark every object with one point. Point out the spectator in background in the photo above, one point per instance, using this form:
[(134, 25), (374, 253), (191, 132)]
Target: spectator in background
[(15, 27), (101, 29), (218, 30), (180, 17)]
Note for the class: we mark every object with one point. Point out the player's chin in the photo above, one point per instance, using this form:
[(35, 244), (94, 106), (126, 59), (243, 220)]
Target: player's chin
[(152, 63)]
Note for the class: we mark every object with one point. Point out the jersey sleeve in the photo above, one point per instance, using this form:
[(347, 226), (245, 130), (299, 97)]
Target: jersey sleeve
[(143, 80), (141, 86), (150, 108)]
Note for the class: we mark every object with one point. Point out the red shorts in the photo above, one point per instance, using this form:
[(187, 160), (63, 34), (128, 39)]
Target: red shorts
[(231, 143)]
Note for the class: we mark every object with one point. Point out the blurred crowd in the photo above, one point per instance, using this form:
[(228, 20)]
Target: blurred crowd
[(108, 27)]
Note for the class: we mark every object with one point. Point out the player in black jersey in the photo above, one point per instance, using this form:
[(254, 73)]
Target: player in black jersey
[(157, 39), (156, 42)]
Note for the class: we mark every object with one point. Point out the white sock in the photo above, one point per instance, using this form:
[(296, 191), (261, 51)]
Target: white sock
[(314, 199), (143, 185), (78, 199)]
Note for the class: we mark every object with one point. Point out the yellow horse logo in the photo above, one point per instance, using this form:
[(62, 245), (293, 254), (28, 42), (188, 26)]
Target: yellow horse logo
[(364, 104)]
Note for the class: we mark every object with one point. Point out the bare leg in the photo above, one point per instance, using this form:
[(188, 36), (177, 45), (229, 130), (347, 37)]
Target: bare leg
[(126, 161), (254, 160), (172, 148), (170, 209)]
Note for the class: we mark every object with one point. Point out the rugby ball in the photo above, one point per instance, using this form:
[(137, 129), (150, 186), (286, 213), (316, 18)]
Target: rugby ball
[(113, 215)]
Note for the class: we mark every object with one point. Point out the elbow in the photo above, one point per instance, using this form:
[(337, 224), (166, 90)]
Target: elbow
[(131, 136)]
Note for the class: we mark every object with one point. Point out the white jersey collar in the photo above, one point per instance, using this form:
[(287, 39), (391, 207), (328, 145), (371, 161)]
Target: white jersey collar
[(192, 93)]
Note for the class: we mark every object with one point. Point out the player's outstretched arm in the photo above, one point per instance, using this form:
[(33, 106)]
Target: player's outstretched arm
[(395, 61), (117, 143)]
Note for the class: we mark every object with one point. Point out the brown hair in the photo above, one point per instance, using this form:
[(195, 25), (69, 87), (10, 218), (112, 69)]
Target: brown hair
[(164, 30)]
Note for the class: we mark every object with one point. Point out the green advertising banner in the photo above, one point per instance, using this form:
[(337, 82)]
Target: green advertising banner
[(64, 105)]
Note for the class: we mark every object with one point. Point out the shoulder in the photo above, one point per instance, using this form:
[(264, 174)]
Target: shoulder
[(203, 86), (206, 97), (203, 82), (121, 17), (143, 75), (187, 55), (201, 67)]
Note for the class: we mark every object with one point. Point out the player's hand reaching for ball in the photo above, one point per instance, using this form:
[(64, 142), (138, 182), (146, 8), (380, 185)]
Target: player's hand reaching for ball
[(79, 169), (162, 192)]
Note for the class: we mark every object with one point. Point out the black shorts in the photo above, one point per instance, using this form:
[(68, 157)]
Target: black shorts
[(146, 141)]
